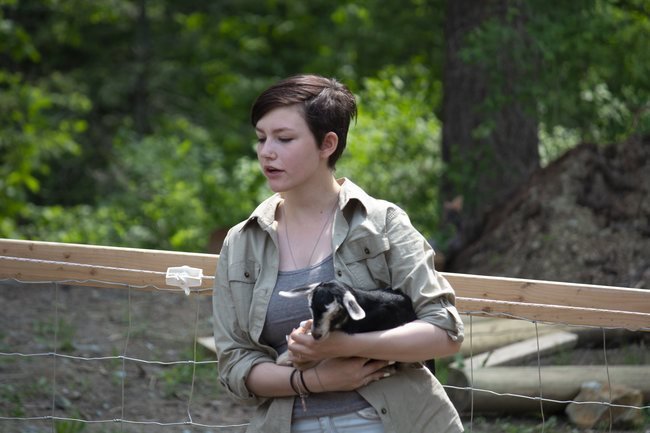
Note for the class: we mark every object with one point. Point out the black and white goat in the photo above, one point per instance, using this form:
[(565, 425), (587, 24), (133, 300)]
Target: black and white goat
[(335, 306)]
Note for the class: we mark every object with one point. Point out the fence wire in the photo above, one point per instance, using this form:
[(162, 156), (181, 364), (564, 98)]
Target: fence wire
[(33, 398)]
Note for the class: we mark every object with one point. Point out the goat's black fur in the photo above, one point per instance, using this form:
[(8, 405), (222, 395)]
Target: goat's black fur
[(335, 306)]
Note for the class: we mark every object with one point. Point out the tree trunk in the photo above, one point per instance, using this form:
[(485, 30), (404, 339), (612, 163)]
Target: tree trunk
[(489, 136), (142, 58)]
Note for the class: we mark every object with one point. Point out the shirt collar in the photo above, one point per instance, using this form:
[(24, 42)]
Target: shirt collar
[(264, 214)]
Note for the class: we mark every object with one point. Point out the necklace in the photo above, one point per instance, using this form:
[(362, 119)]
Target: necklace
[(320, 235)]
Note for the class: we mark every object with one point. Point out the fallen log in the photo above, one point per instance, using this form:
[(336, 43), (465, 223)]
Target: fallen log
[(524, 350), (483, 334), (517, 389)]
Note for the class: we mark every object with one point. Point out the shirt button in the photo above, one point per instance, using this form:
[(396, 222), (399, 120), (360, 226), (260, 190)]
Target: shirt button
[(384, 411), (339, 273), (366, 250), (247, 274)]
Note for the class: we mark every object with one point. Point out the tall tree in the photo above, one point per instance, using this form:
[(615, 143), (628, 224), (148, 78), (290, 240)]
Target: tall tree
[(95, 94), (142, 56), (489, 136)]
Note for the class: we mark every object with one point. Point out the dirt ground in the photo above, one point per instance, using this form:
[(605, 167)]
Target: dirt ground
[(586, 218), (156, 328), (104, 323)]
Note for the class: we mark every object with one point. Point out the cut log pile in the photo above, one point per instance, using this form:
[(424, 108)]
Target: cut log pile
[(500, 374)]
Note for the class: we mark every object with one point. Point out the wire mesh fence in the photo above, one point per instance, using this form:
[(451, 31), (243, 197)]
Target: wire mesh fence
[(86, 352)]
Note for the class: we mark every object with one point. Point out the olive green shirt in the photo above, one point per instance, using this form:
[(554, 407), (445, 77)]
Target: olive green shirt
[(374, 245)]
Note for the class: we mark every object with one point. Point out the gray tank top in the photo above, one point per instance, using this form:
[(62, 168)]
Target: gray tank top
[(284, 315)]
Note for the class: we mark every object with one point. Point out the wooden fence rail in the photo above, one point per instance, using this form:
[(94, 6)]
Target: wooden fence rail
[(544, 301)]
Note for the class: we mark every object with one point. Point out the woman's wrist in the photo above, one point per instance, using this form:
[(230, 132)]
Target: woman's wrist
[(313, 381)]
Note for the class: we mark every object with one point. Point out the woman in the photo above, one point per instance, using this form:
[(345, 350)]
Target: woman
[(317, 228)]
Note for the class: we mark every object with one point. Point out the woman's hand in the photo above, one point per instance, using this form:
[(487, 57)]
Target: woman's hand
[(347, 374), (305, 351), (296, 358), (416, 341)]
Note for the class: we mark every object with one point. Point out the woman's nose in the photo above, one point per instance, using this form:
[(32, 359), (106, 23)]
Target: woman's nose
[(265, 150)]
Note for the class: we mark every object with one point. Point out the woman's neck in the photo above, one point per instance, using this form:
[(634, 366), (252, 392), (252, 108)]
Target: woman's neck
[(305, 225), (308, 202)]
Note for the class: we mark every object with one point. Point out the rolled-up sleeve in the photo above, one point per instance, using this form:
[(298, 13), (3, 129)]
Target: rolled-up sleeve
[(444, 315), (411, 261), (236, 353)]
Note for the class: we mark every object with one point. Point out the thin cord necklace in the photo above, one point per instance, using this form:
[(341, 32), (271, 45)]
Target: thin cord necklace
[(320, 235)]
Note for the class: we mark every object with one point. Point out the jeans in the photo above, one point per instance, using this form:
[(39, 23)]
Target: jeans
[(363, 421)]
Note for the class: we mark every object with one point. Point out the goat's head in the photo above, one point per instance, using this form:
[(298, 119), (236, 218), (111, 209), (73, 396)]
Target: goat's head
[(331, 303)]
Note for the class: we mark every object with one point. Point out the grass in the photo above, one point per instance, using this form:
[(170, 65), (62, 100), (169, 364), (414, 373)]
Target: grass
[(442, 367), (178, 378), (69, 426), (508, 424), (12, 399), (45, 332)]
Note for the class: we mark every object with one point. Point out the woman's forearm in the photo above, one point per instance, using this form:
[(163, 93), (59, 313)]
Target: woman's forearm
[(413, 342), (270, 380), (337, 374)]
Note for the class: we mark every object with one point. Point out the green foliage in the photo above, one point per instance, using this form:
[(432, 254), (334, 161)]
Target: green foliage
[(46, 331), (514, 425), (126, 123), (555, 141), (394, 149), (11, 400), (178, 379), (588, 78), (69, 426), (170, 192), (40, 123)]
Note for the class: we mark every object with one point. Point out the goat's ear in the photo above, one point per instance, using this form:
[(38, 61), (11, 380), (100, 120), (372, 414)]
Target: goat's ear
[(298, 291), (354, 309)]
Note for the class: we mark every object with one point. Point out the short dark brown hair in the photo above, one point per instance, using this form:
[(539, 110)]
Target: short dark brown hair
[(327, 105)]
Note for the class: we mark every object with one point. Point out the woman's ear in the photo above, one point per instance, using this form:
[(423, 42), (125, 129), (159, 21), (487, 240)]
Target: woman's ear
[(330, 143)]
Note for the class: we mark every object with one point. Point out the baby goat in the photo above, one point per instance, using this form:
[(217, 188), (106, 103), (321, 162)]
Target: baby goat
[(337, 306)]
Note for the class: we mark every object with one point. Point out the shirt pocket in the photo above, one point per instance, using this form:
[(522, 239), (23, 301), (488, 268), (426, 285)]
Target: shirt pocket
[(242, 277), (365, 259)]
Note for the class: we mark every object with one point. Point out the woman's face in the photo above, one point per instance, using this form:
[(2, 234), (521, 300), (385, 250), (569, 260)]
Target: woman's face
[(287, 150)]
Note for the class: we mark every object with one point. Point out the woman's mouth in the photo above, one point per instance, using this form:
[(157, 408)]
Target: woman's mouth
[(272, 171)]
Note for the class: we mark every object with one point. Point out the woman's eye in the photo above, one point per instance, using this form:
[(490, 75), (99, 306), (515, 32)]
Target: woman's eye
[(284, 139)]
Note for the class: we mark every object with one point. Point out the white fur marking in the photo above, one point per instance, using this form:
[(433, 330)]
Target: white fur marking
[(326, 320)]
